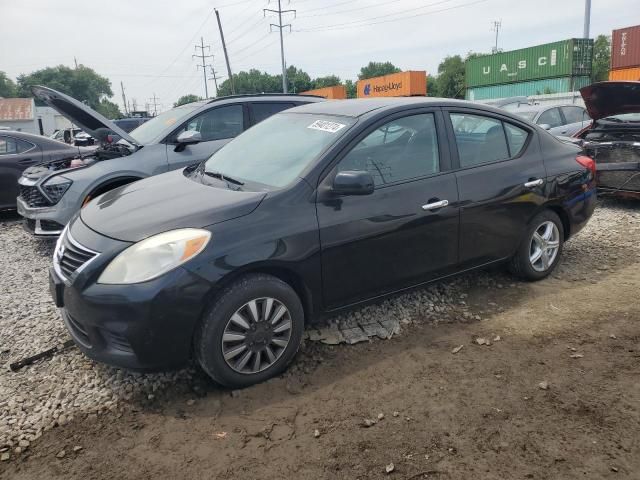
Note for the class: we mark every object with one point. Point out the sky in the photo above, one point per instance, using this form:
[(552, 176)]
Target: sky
[(148, 44)]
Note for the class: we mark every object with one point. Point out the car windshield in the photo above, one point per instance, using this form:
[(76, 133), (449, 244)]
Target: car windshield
[(526, 114), (149, 131), (277, 150)]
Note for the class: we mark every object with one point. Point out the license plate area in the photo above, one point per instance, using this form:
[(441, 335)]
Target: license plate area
[(56, 288)]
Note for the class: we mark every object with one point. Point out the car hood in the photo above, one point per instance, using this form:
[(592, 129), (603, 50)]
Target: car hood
[(79, 113), (165, 202), (605, 99)]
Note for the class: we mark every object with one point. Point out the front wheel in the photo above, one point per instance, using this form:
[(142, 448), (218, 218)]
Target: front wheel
[(251, 333), (541, 249)]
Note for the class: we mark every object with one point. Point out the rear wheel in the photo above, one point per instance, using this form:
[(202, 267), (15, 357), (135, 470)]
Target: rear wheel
[(541, 249), (251, 333)]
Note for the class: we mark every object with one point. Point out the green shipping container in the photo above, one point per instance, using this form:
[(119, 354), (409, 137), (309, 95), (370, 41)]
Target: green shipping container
[(568, 58), (534, 87)]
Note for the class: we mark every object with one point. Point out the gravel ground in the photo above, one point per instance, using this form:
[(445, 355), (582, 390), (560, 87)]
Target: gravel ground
[(55, 391)]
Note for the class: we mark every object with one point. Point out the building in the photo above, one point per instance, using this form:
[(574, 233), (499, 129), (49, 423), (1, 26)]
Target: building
[(23, 115)]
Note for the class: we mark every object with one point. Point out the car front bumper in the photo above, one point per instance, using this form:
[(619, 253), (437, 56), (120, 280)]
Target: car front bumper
[(148, 325), (45, 221)]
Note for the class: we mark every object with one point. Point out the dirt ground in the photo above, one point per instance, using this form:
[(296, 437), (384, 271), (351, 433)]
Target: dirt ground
[(477, 414)]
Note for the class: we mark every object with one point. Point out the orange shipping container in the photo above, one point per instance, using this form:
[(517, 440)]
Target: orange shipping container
[(338, 92), (625, 74), (403, 84)]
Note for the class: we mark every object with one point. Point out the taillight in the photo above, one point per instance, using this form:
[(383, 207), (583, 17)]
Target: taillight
[(588, 163)]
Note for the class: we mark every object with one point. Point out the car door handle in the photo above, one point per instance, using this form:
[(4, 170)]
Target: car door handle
[(534, 183), (434, 205)]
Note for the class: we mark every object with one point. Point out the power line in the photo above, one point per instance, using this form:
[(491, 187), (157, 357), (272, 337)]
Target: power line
[(281, 27), (337, 12), (342, 26), (440, 2), (204, 65), (184, 49)]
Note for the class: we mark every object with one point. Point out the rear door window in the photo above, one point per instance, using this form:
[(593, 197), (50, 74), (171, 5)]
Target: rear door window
[(23, 146), (263, 110), (8, 146), (551, 117), (516, 138), (574, 114), (217, 123), (479, 139)]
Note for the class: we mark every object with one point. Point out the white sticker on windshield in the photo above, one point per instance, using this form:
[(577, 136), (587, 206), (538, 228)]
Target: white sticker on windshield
[(325, 126)]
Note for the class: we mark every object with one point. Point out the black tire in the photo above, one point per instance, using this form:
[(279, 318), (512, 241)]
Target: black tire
[(520, 264), (208, 339)]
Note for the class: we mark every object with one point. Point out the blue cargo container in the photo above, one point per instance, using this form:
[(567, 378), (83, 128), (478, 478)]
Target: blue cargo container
[(533, 87)]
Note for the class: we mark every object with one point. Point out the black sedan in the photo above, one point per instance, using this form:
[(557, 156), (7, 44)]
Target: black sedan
[(19, 150), (312, 211)]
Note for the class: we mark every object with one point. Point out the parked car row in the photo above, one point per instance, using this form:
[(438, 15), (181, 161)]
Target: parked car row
[(222, 249)]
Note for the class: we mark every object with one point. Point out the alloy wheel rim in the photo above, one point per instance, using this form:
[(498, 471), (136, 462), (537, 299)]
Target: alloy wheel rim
[(544, 246), (256, 335)]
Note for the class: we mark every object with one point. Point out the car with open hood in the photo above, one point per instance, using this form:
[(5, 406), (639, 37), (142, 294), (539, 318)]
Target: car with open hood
[(314, 210), (53, 191), (19, 151), (613, 138)]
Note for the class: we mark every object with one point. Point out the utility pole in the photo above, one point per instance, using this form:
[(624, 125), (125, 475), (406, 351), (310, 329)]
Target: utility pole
[(214, 78), (280, 27), (155, 104), (497, 24), (204, 64), (587, 17), (226, 55), (124, 99)]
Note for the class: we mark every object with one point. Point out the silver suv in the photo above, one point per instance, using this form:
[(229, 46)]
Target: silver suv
[(53, 191)]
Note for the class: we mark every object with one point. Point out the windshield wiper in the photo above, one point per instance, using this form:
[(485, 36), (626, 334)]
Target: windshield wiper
[(222, 177)]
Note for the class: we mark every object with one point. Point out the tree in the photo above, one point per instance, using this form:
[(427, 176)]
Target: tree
[(377, 69), (432, 86), (7, 86), (328, 81), (253, 81), (601, 58), (352, 91), (81, 83), (450, 81), (297, 80), (109, 109), (187, 99)]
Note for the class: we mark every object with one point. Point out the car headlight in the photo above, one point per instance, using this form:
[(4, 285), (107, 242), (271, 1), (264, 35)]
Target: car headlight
[(153, 256), (56, 187)]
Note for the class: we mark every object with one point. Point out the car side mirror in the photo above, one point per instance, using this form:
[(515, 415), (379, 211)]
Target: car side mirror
[(546, 126), (188, 137), (353, 182)]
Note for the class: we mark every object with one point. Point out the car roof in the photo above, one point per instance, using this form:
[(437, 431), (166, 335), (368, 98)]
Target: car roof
[(540, 108), (259, 97), (362, 106), (37, 139)]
